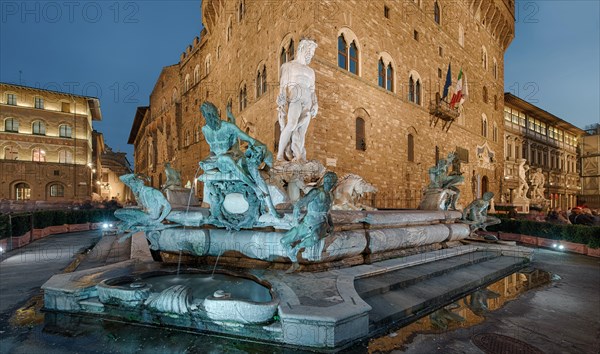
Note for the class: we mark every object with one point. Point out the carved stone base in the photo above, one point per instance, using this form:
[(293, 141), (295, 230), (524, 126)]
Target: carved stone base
[(522, 205), (299, 177), (436, 199), (181, 197)]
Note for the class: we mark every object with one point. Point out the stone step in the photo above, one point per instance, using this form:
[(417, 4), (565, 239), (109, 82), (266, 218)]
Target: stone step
[(110, 249), (402, 305), (405, 277)]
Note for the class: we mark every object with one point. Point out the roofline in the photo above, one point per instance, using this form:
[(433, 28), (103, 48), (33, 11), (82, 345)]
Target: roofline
[(140, 112), (46, 90), (93, 102), (541, 113)]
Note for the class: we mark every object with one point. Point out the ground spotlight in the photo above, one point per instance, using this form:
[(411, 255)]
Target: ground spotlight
[(105, 226), (561, 247), (110, 225), (1, 250), (554, 245)]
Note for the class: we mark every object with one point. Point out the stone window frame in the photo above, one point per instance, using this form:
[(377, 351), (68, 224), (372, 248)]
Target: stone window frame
[(415, 91), (174, 95), (361, 116), (410, 147), (65, 156), (65, 106), (360, 132), (38, 154), (25, 188), (261, 79), (151, 156), (13, 150), (484, 58), (66, 132), (207, 64), (12, 125), (388, 63), (495, 132), (38, 102), (350, 39), (38, 127), (386, 11), (484, 125), (437, 13), (495, 68), (461, 35), (229, 30), (485, 95), (186, 83), (12, 98), (197, 73), (56, 189), (243, 97), (241, 10), (187, 138), (288, 50)]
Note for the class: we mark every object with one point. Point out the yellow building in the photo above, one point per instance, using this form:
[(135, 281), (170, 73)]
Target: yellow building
[(46, 144), (547, 142), (379, 67)]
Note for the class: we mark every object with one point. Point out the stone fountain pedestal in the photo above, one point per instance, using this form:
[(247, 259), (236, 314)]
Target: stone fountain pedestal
[(359, 237), (329, 310)]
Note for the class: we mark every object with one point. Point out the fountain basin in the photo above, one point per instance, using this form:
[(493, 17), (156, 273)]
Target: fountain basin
[(193, 296), (126, 291)]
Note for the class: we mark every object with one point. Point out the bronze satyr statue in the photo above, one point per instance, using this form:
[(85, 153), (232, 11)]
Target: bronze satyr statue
[(315, 224)]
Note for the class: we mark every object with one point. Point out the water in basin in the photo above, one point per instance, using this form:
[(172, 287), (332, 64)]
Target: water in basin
[(204, 285)]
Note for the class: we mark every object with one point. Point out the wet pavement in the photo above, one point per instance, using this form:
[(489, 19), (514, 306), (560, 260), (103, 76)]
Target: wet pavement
[(560, 317)]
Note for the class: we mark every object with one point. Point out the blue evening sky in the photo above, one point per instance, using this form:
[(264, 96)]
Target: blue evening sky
[(115, 51), (554, 60)]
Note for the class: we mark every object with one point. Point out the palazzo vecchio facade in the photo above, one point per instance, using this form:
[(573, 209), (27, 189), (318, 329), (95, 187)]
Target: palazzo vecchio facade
[(379, 66)]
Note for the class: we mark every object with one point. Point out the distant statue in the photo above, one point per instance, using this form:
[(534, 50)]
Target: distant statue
[(315, 224), (475, 214), (537, 180), (155, 206), (349, 190), (297, 92), (521, 192), (226, 157), (440, 179), (173, 177)]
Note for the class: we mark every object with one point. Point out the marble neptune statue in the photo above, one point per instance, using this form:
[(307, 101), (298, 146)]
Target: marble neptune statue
[(297, 92)]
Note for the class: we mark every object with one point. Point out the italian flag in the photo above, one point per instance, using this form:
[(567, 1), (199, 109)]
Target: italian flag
[(458, 94)]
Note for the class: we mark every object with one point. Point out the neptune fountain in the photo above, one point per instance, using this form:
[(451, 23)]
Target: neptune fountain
[(244, 263)]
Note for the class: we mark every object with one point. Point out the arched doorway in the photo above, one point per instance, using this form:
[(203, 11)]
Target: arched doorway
[(484, 185), (22, 191)]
